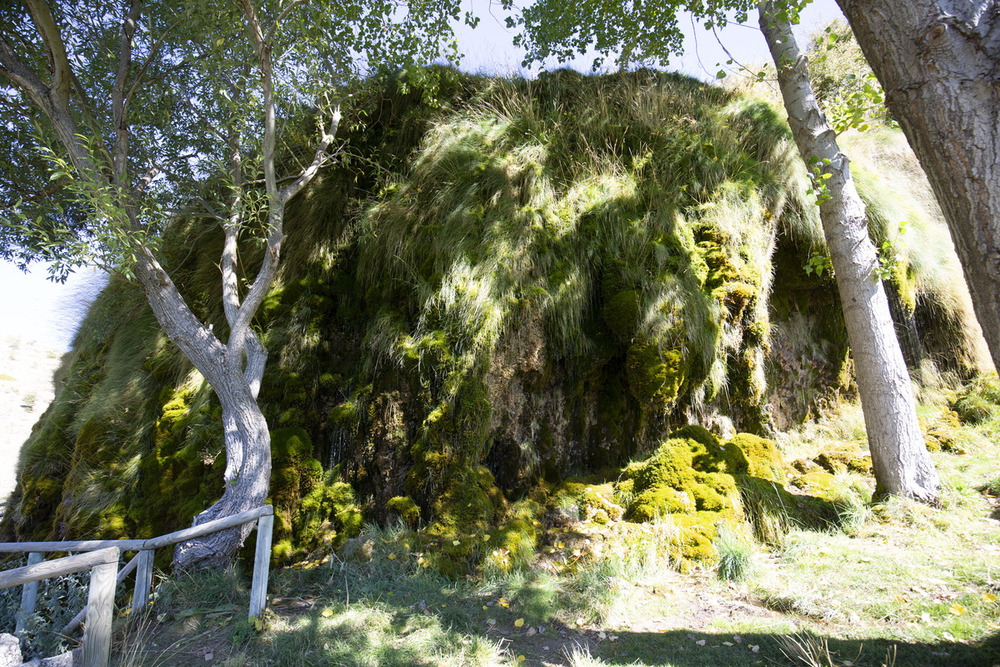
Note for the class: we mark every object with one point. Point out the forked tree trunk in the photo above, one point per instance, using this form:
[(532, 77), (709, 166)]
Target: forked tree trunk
[(937, 62), (234, 372), (248, 469), (899, 457)]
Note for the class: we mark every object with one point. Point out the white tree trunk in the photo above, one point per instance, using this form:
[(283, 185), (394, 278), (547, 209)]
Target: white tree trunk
[(899, 457), (937, 62), (248, 471)]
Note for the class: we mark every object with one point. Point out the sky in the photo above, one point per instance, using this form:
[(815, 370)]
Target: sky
[(34, 308)]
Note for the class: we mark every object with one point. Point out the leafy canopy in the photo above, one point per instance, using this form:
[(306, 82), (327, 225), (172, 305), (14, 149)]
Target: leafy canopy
[(624, 33), (192, 94)]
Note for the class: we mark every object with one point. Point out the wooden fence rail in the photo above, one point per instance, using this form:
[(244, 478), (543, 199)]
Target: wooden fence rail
[(142, 563), (103, 566)]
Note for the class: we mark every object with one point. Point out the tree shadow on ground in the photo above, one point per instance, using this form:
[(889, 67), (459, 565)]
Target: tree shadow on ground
[(683, 648)]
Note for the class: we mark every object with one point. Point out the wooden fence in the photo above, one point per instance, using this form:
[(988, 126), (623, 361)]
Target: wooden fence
[(103, 585), (103, 566)]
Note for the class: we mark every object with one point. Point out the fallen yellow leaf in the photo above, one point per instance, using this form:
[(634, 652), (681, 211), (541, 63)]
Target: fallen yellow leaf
[(957, 609), (989, 597), (519, 623), (391, 556), (326, 613)]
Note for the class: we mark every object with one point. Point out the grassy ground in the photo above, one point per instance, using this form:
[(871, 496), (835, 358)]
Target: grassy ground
[(898, 583)]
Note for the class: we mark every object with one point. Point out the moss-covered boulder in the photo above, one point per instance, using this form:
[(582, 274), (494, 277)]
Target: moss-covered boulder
[(690, 480)]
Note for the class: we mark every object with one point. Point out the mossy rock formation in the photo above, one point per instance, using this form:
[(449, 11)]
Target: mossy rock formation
[(512, 283)]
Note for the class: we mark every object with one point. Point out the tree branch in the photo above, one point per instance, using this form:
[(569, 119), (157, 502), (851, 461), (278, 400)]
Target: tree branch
[(269, 265), (149, 59), (48, 30), (281, 17), (230, 284), (119, 118), (310, 172)]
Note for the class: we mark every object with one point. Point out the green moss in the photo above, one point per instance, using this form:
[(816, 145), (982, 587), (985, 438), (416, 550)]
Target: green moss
[(738, 299), (325, 518), (345, 415), (623, 313), (596, 499), (658, 502), (405, 509), (469, 501), (971, 408), (655, 376), (697, 533), (818, 483), (943, 433), (762, 457), (570, 281)]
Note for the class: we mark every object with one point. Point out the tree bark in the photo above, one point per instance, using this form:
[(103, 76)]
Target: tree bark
[(937, 61), (899, 457), (248, 472)]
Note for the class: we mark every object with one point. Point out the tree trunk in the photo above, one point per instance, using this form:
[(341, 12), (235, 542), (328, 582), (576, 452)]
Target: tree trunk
[(899, 457), (937, 62), (248, 472), (235, 379)]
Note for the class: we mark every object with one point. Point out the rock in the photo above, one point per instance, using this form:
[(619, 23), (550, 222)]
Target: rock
[(10, 651), (68, 659)]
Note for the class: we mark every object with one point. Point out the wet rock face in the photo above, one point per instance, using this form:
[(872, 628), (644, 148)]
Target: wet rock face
[(512, 288)]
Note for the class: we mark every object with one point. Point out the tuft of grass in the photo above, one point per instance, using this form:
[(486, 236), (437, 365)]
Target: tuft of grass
[(806, 649), (736, 554), (579, 656)]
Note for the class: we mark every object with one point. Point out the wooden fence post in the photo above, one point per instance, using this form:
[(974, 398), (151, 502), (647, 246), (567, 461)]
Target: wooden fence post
[(100, 605), (29, 594), (143, 580), (261, 566)]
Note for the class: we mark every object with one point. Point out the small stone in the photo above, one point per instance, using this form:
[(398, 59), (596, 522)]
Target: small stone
[(10, 651)]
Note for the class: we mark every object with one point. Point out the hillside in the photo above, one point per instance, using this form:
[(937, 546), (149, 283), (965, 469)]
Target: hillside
[(511, 299), (26, 377)]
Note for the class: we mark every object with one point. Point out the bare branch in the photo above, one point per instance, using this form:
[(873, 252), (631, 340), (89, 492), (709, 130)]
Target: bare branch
[(146, 179), (230, 284), (21, 75), (310, 172), (55, 108), (212, 213), (269, 266)]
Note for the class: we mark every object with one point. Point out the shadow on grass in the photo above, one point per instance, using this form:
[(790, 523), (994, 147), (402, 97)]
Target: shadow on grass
[(390, 615), (682, 648), (447, 621)]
